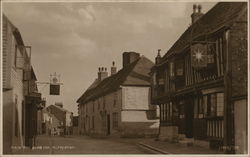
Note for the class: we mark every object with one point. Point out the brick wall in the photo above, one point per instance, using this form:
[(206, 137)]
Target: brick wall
[(12, 78)]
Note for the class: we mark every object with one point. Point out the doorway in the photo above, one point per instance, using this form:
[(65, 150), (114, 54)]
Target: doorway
[(108, 124), (189, 117)]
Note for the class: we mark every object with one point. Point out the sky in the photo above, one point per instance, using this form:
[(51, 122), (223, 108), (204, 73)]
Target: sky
[(73, 39)]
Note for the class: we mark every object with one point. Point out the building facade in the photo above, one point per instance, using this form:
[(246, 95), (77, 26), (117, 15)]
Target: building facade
[(61, 119), (20, 95), (119, 104), (200, 84)]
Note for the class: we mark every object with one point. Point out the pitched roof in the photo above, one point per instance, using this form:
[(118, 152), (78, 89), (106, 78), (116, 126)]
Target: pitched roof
[(60, 108), (134, 74), (223, 14)]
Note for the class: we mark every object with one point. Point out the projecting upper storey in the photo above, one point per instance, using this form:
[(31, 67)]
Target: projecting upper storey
[(221, 16), (215, 45), (135, 72)]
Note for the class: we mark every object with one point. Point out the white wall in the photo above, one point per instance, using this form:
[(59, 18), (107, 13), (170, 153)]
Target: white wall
[(135, 98)]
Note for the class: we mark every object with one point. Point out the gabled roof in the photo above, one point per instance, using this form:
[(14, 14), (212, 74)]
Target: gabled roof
[(134, 74), (222, 15)]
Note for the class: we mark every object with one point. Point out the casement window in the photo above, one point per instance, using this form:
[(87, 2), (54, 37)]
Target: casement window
[(179, 68), (171, 69), (211, 49), (210, 105), (115, 120), (220, 104)]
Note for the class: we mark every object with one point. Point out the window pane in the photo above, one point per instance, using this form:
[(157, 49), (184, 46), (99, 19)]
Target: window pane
[(220, 104), (213, 105)]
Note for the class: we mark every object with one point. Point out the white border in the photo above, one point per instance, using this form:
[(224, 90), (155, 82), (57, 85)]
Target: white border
[(115, 1)]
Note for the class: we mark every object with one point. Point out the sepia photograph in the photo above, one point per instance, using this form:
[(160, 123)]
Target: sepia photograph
[(124, 77)]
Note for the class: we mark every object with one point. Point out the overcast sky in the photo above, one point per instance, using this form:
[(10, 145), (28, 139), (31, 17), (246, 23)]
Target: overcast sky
[(74, 39)]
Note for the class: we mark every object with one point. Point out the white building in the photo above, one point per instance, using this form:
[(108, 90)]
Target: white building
[(120, 103)]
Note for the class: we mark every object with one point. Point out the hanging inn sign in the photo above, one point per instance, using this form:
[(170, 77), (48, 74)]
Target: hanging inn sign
[(54, 84), (202, 54)]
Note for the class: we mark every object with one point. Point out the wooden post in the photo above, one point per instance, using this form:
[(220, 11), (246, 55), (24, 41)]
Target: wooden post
[(228, 108)]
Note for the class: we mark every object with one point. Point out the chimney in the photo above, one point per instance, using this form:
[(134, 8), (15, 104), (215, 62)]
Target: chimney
[(158, 57), (102, 73), (196, 13), (113, 68), (129, 57)]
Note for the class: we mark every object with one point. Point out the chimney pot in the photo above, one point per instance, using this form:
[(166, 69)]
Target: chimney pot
[(199, 8), (196, 13), (113, 69)]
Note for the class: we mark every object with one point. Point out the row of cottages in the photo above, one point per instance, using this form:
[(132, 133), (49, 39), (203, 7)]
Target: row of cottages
[(119, 104), (200, 84), (21, 99), (61, 120)]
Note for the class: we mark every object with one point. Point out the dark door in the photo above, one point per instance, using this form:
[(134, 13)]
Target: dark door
[(189, 117), (108, 124)]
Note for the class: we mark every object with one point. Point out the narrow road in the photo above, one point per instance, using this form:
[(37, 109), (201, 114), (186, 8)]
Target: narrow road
[(83, 145)]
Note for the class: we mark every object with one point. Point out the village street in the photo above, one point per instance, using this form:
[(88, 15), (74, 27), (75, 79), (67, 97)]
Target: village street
[(83, 145), (46, 144)]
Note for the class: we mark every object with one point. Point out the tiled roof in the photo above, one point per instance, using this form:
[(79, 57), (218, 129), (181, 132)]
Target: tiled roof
[(135, 74), (223, 14)]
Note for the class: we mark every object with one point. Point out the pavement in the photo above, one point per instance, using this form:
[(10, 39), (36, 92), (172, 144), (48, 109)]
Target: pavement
[(175, 148), (112, 145)]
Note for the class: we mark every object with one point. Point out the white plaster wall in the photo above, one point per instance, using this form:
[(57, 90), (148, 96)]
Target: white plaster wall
[(135, 98), (134, 116), (86, 110), (68, 119)]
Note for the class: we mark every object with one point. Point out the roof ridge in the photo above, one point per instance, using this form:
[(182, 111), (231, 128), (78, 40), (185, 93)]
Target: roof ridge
[(112, 82)]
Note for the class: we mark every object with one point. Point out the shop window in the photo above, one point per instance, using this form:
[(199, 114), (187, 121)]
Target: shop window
[(211, 105)]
